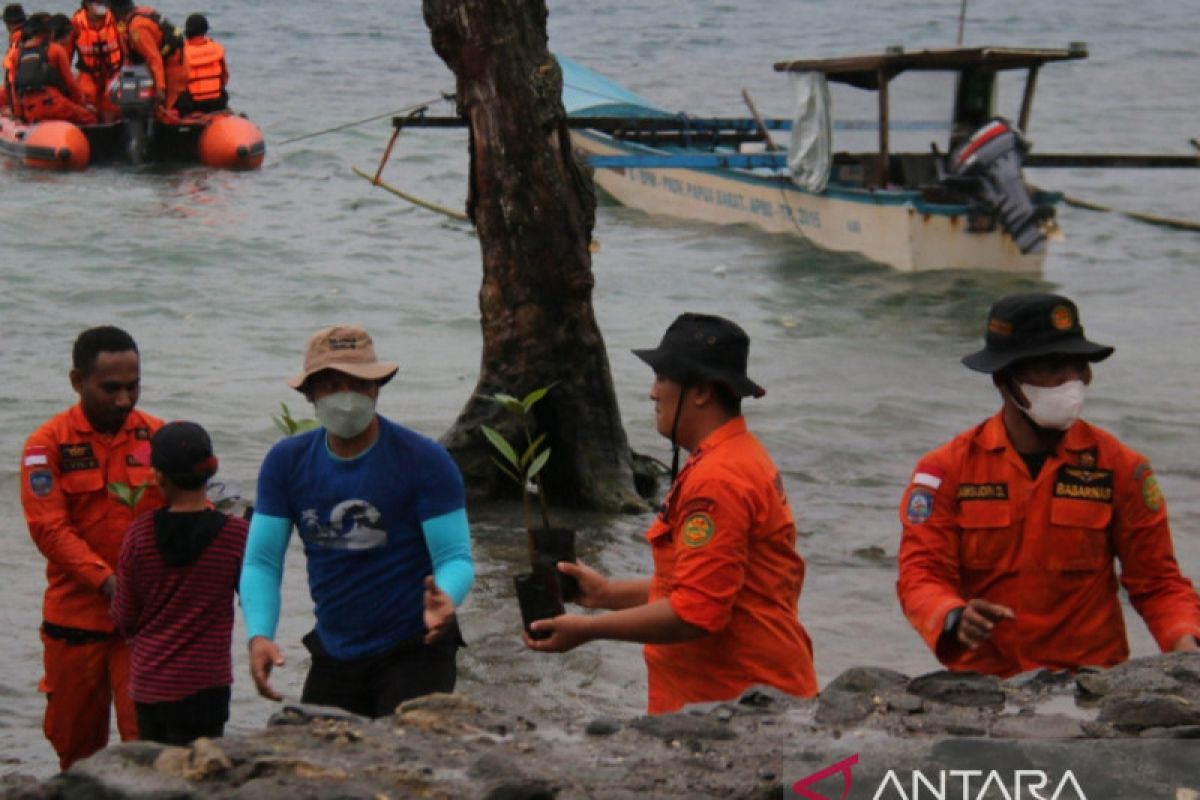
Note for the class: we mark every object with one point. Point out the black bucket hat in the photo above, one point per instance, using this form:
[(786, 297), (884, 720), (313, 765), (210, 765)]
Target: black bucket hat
[(1030, 325), (706, 346)]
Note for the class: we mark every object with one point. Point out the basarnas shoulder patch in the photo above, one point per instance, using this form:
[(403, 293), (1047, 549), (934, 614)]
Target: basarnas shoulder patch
[(919, 506), (1152, 495), (698, 530), (40, 482)]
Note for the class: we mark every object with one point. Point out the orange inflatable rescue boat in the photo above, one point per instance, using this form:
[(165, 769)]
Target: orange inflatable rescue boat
[(219, 139), (52, 144)]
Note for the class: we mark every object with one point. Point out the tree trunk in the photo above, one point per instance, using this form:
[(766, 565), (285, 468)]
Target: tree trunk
[(533, 206)]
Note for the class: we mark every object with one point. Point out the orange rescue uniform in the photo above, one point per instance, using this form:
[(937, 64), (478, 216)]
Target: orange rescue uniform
[(976, 525), (78, 525), (101, 53), (725, 557), (10, 57), (144, 45), (49, 101)]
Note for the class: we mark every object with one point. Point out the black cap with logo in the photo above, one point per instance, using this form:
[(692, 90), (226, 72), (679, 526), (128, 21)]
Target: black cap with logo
[(1024, 326), (183, 452)]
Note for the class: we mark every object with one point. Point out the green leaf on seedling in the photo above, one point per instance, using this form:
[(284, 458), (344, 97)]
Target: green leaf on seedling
[(538, 463), (505, 469), (501, 444)]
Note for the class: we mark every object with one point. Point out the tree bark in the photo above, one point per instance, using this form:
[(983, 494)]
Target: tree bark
[(533, 206)]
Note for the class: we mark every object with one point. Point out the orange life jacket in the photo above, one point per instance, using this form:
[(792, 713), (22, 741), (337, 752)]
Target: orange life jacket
[(100, 50), (204, 61)]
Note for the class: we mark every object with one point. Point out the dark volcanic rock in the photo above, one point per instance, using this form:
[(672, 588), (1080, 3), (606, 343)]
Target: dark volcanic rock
[(1149, 711), (959, 689), (867, 680), (451, 746)]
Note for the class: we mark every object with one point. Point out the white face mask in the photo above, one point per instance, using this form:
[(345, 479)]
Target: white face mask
[(97, 9), (345, 414), (1054, 407)]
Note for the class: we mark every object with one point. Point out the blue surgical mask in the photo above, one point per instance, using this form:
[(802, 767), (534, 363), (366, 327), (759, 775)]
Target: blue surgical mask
[(345, 414)]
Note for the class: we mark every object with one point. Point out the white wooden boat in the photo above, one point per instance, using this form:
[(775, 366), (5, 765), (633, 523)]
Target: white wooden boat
[(900, 209)]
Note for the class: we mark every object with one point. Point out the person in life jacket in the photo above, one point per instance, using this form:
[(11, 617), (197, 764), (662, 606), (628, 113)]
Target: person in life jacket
[(204, 60), (100, 52), (152, 40), (43, 84), (14, 20)]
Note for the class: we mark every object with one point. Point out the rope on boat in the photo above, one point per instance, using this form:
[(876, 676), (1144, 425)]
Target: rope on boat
[(357, 122), (1140, 216), (449, 212)]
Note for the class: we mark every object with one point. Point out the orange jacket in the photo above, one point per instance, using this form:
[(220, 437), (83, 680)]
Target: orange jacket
[(976, 525), (725, 558), (204, 60), (58, 59), (74, 519), (144, 43), (100, 50)]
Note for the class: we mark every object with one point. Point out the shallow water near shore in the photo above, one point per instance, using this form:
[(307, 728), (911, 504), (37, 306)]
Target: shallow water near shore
[(221, 278)]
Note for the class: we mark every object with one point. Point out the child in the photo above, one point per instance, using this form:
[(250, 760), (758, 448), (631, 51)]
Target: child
[(176, 578)]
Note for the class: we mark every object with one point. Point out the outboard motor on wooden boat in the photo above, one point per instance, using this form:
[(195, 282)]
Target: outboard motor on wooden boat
[(133, 92), (992, 157)]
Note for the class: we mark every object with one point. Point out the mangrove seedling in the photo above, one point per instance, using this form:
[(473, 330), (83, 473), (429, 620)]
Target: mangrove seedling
[(522, 461), (126, 494), (289, 425)]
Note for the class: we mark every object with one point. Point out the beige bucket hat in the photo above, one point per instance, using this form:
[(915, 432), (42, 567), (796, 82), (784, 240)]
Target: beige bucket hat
[(346, 348)]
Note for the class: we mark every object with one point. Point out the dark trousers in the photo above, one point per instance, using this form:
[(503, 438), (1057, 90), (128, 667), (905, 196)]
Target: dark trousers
[(373, 686), (181, 721)]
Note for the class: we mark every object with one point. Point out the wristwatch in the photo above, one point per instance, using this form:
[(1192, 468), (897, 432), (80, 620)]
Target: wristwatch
[(950, 626)]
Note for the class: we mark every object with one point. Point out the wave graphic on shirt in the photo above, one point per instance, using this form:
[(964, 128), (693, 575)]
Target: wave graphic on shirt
[(353, 525)]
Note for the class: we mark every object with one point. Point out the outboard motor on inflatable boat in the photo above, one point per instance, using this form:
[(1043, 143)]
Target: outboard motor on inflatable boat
[(993, 157), (132, 91)]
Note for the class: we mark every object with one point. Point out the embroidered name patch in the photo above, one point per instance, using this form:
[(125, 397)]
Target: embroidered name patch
[(983, 491), (77, 457), (698, 530), (919, 507), (1084, 484)]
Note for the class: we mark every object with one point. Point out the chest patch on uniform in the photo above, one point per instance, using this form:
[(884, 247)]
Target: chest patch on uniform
[(983, 491), (142, 433), (1151, 494), (77, 457), (40, 482), (919, 506), (698, 530), (1084, 484)]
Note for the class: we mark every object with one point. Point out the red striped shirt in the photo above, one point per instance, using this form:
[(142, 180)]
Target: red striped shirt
[(179, 620)]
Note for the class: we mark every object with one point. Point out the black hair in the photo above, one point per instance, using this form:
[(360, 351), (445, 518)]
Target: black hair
[(195, 25), (723, 393), (94, 341), (36, 24), (14, 14), (60, 26), (189, 481)]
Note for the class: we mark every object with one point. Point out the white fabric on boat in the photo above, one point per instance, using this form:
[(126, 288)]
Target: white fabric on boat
[(810, 153)]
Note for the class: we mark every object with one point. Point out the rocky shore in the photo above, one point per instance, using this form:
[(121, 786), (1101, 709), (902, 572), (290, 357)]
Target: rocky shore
[(1132, 731)]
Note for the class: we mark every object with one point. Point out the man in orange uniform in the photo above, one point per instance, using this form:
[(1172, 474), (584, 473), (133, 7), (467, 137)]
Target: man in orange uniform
[(101, 53), (204, 62), (151, 40), (14, 20), (42, 80), (1010, 530), (77, 519), (719, 614)]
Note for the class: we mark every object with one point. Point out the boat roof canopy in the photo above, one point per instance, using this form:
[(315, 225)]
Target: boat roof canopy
[(865, 71)]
